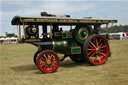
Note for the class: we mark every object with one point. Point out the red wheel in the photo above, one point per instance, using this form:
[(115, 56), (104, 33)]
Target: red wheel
[(48, 61), (96, 50)]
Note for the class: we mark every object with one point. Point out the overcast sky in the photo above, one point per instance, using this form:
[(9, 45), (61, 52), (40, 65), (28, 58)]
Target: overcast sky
[(111, 9)]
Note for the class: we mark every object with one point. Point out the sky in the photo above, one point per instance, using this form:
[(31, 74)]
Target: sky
[(109, 9)]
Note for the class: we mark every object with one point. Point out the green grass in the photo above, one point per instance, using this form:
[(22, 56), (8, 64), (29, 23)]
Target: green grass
[(17, 68)]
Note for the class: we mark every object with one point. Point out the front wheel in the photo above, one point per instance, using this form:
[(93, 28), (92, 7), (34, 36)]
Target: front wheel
[(96, 50), (48, 61)]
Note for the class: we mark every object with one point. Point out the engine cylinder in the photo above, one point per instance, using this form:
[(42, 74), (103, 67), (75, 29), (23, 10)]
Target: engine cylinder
[(59, 45)]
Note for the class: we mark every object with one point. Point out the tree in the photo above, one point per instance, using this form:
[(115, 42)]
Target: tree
[(116, 28), (10, 34)]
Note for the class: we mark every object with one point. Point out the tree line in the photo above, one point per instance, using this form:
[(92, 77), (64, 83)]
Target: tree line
[(10, 34), (116, 28)]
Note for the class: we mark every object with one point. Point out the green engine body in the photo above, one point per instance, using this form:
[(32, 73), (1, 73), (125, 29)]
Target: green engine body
[(68, 42)]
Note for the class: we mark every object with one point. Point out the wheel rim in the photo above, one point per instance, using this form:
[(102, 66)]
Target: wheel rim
[(97, 50), (48, 62)]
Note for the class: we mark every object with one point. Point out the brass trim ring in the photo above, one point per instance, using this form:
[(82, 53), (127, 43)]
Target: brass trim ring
[(82, 29)]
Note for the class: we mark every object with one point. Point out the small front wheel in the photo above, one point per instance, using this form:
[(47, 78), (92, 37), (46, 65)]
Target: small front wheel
[(48, 61)]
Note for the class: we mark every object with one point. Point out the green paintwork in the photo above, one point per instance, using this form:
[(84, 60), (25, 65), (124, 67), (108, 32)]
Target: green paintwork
[(81, 33), (67, 51), (68, 47), (59, 45), (66, 35), (71, 48), (75, 50)]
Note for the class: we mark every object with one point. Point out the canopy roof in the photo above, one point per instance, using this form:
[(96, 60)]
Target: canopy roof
[(59, 20)]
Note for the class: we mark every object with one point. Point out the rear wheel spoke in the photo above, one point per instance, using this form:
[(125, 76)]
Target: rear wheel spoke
[(102, 53), (96, 57), (90, 52), (100, 57), (93, 44), (90, 46), (101, 50), (97, 43), (91, 49), (100, 45), (103, 47), (100, 41)]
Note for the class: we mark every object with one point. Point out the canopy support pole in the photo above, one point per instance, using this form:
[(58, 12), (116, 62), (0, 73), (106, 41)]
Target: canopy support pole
[(24, 30), (70, 27), (44, 31), (111, 27), (19, 32), (107, 36), (51, 31)]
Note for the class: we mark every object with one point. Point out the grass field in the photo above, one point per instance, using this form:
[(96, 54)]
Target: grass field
[(17, 68)]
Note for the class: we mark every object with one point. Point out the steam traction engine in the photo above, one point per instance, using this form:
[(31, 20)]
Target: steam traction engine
[(82, 43)]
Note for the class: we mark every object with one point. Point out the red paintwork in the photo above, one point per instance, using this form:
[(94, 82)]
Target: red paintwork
[(126, 34), (98, 48), (52, 66)]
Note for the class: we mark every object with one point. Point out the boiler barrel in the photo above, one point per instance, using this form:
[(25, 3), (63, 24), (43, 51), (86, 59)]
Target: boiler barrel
[(52, 45)]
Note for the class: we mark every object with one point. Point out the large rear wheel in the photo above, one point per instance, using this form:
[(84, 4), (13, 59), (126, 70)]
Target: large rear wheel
[(48, 61), (96, 50)]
